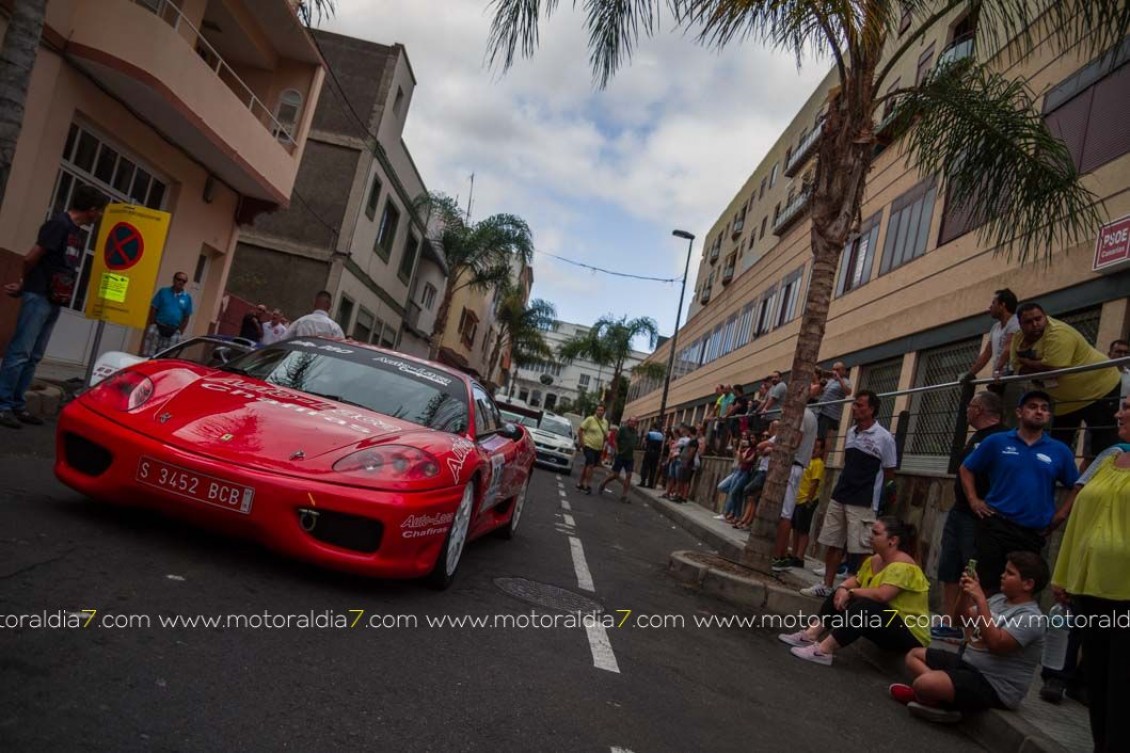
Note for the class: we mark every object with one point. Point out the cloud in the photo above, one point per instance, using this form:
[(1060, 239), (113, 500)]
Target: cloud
[(602, 176)]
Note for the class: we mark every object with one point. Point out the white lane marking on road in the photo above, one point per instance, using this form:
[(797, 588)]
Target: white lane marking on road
[(561, 492), (602, 656), (565, 505), (617, 749), (568, 519), (584, 577)]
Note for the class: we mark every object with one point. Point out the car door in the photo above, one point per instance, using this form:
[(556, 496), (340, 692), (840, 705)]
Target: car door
[(494, 447)]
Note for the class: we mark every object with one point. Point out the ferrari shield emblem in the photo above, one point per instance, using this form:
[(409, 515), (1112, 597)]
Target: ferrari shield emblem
[(227, 437), (164, 417)]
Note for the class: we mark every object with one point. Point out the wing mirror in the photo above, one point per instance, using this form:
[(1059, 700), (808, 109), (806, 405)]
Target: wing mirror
[(511, 431)]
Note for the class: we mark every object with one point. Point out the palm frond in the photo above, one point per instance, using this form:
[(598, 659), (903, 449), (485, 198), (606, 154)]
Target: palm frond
[(614, 30), (1092, 25), (649, 370), (982, 134), (315, 10), (515, 24)]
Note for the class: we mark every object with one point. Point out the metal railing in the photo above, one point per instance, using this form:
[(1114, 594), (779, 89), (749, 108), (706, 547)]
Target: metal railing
[(804, 149), (959, 49), (168, 12), (791, 212)]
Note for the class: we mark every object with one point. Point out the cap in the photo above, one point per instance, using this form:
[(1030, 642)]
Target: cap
[(1034, 393)]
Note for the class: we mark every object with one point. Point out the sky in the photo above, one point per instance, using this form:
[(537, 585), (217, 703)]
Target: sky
[(601, 176)]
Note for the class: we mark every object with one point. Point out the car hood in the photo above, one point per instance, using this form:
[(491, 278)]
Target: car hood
[(246, 422), (551, 439)]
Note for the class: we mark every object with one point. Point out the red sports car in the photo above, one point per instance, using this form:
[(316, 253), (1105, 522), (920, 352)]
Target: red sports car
[(332, 451)]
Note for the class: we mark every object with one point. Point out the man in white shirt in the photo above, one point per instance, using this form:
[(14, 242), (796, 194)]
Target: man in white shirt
[(317, 323), (996, 351), (274, 330)]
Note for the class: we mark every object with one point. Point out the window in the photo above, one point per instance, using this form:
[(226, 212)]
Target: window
[(925, 63), (428, 299), (765, 312), (909, 226), (879, 378), (363, 327), (583, 381), (387, 232), (287, 113), (398, 103), (468, 327), (408, 260), (790, 292), (904, 22), (1085, 111), (764, 220), (745, 325), (374, 196), (761, 193), (858, 257), (773, 175), (487, 417), (930, 431), (344, 313), (728, 334)]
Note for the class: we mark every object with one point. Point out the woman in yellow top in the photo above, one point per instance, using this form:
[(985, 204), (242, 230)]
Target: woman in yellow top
[(1093, 572), (886, 602)]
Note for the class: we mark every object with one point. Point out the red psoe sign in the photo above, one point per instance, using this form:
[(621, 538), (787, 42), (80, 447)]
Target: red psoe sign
[(1112, 248)]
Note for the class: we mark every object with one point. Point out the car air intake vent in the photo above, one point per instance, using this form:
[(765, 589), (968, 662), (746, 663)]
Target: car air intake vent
[(341, 529), (86, 456)]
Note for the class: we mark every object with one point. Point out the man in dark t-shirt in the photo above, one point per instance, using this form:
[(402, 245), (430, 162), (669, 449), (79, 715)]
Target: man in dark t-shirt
[(984, 415), (626, 441), (50, 274), (251, 328)]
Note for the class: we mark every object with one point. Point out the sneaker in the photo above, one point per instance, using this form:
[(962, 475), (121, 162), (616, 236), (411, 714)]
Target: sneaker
[(796, 562), (901, 692), (1053, 690), (588, 490), (26, 417), (931, 714), (842, 571), (946, 633), (819, 571), (779, 564), (719, 517), (7, 418), (799, 638), (820, 591), (812, 653)]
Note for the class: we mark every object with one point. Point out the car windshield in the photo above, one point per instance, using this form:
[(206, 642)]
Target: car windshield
[(377, 381), (207, 352), (556, 426), (515, 418)]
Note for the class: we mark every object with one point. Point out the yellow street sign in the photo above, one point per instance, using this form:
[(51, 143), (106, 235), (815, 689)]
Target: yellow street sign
[(127, 257)]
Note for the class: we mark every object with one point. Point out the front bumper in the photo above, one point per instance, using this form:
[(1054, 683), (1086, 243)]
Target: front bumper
[(553, 457), (376, 533)]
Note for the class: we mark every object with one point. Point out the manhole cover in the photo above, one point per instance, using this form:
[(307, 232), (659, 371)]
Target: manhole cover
[(545, 595)]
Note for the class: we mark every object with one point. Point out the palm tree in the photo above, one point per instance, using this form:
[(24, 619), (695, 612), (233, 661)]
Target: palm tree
[(17, 59), (974, 128), (478, 255), (609, 343), (520, 328)]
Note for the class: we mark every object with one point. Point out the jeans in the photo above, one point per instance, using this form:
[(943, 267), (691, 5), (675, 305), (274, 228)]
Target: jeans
[(736, 498), (25, 350)]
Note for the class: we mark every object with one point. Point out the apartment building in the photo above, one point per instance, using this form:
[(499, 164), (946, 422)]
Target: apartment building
[(913, 285), (472, 328), (548, 383), (200, 108), (352, 229)]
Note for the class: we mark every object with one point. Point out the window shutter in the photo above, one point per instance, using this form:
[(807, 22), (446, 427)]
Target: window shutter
[(1108, 132), (1069, 124)]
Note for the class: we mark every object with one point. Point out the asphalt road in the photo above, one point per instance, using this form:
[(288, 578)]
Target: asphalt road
[(409, 687)]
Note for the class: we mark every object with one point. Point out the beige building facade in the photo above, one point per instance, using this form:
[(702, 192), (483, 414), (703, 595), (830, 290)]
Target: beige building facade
[(199, 108), (912, 291)]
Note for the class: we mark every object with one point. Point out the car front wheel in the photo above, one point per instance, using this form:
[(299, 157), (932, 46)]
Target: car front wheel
[(447, 562)]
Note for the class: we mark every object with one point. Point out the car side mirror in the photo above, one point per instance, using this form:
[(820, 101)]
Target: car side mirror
[(511, 431)]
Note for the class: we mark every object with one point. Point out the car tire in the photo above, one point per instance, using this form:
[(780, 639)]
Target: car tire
[(451, 553), (508, 530)]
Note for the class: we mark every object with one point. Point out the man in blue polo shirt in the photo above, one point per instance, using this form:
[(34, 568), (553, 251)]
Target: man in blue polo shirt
[(169, 313), (1023, 466)]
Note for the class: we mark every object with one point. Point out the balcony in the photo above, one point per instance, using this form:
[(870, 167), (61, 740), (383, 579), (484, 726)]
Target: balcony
[(714, 252), (728, 270), (152, 57), (792, 212), (412, 316), (959, 49), (704, 297), (739, 225), (804, 149)]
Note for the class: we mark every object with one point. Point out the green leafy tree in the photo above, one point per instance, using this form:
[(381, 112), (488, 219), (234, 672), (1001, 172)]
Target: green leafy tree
[(971, 126), (478, 254), (520, 327), (609, 343)]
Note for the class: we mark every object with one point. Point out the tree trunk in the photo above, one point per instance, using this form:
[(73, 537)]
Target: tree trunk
[(440, 326), (17, 59), (844, 159), (495, 352)]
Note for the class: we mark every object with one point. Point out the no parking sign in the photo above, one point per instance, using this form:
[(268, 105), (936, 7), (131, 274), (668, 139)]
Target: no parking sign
[(126, 260)]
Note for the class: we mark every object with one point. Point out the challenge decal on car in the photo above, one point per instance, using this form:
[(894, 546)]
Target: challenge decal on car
[(461, 449), (418, 526), (322, 346), (413, 369)]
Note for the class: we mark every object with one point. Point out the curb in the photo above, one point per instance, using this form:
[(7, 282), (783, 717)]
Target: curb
[(998, 731), (44, 399), (671, 511)]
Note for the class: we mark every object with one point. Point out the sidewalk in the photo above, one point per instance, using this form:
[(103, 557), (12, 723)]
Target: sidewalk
[(1036, 726), (53, 385)]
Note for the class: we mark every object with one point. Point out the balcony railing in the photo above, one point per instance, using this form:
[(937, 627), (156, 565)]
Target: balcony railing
[(792, 212), (704, 296), (714, 253), (959, 49), (728, 272), (739, 225), (804, 149), (172, 15)]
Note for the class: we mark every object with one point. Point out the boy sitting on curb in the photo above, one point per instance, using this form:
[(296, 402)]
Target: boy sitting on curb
[(1005, 637)]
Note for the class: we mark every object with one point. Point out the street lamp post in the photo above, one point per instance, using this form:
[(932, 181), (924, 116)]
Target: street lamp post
[(675, 335)]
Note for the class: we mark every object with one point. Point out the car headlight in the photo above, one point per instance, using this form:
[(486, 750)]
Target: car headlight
[(124, 391), (397, 462)]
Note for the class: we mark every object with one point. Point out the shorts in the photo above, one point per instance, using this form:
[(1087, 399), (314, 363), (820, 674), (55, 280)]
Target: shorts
[(592, 457), (824, 423), (625, 464), (788, 504), (673, 470), (756, 482), (957, 544), (686, 472), (847, 527), (971, 691), (802, 517)]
